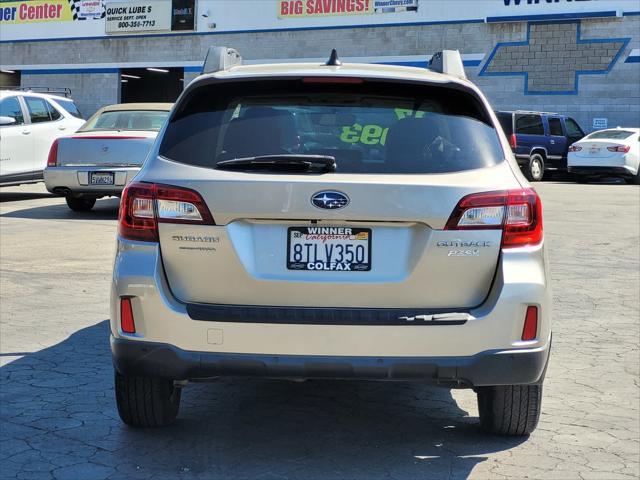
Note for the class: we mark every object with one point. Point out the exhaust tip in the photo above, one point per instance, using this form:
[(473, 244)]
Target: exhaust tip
[(62, 191)]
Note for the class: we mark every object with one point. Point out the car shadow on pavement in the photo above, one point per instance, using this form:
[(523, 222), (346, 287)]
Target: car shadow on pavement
[(20, 196), (59, 420), (106, 209)]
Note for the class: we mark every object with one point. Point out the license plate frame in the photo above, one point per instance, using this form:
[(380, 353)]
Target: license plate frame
[(365, 235), (110, 178)]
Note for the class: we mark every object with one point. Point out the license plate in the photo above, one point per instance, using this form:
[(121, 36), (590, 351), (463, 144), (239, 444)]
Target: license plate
[(340, 249), (101, 178), (594, 150)]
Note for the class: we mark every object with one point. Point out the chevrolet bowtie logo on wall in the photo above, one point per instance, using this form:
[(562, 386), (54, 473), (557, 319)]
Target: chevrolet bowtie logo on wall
[(554, 67)]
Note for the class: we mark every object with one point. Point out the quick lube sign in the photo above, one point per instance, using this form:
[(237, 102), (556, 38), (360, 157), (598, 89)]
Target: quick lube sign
[(127, 17)]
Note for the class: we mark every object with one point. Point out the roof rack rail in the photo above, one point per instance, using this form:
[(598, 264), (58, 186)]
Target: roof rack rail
[(64, 91), (220, 59), (448, 62), (536, 111)]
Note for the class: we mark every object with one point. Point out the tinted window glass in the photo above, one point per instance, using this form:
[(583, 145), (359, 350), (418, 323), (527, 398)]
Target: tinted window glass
[(10, 107), (529, 125), (38, 109), (611, 135), (70, 107), (573, 129), (555, 127), (506, 120), (53, 112), (372, 128), (127, 120)]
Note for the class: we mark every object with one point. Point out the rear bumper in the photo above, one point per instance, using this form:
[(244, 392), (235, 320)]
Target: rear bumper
[(496, 367), (619, 171), (75, 180)]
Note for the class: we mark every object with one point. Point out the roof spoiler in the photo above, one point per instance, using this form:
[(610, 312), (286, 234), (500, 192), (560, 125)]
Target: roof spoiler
[(448, 62), (220, 59)]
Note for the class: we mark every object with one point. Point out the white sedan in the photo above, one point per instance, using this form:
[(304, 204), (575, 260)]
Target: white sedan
[(613, 152)]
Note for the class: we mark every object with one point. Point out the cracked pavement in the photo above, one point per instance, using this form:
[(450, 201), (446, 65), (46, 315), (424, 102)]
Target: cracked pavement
[(58, 418)]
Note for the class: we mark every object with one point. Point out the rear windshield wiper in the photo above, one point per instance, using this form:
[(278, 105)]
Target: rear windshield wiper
[(279, 163)]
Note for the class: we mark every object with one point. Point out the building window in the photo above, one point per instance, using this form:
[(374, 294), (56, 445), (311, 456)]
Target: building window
[(183, 15)]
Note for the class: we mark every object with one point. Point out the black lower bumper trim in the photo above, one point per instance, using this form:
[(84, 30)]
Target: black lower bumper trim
[(325, 316), (495, 367), (602, 171)]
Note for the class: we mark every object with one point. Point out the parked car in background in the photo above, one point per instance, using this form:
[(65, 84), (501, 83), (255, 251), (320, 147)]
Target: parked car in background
[(29, 123), (410, 249), (614, 152), (540, 140), (104, 154)]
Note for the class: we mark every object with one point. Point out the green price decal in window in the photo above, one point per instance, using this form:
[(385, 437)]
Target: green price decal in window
[(374, 134)]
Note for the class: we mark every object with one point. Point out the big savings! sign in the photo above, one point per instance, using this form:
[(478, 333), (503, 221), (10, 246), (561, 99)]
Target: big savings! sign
[(37, 11)]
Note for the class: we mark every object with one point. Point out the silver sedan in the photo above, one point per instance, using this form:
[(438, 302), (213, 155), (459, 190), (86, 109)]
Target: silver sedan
[(104, 155)]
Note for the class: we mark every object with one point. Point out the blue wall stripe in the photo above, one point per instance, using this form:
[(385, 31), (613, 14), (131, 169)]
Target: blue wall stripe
[(90, 70), (633, 59), (552, 16), (64, 71), (264, 30)]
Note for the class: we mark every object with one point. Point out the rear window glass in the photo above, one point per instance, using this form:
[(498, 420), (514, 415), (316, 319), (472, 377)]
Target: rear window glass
[(368, 128), (529, 125), (506, 120), (70, 107), (127, 120), (611, 135)]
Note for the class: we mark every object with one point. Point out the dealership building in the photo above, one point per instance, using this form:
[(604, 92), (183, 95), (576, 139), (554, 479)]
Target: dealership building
[(576, 57)]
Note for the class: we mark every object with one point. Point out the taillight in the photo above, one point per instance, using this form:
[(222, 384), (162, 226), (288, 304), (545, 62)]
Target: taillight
[(52, 159), (518, 213), (575, 148), (144, 205), (620, 149), (513, 141)]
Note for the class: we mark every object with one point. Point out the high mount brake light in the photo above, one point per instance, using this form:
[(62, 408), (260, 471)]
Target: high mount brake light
[(105, 137), (518, 213), (339, 80), (52, 159), (145, 205)]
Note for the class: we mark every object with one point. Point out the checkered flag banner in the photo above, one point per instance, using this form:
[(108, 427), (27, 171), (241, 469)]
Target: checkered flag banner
[(87, 9)]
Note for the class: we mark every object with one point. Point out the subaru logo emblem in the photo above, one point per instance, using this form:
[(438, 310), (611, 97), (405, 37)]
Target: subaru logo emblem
[(329, 200)]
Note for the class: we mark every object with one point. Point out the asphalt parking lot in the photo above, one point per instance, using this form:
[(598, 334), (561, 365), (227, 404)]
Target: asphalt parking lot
[(58, 416)]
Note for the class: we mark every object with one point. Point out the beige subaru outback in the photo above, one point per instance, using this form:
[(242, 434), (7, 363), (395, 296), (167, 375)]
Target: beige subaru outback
[(330, 220)]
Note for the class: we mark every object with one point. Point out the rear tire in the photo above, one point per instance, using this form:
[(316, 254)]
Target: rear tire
[(581, 179), (509, 409), (634, 180), (80, 204), (146, 402), (534, 170)]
